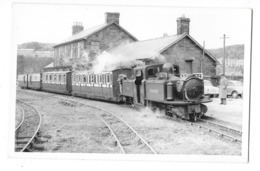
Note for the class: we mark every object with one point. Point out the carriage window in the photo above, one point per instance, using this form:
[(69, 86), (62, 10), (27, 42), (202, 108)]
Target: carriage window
[(84, 78), (64, 78), (74, 78), (104, 79), (108, 78), (150, 72), (46, 77), (59, 78), (95, 78), (92, 79), (100, 79), (50, 77), (80, 78)]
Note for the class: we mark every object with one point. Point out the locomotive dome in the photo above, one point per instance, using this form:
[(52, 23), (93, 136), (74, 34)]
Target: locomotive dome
[(168, 67)]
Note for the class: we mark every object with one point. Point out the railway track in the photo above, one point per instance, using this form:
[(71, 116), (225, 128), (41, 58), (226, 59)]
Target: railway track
[(222, 130), (213, 127), (127, 138), (26, 132), (21, 121)]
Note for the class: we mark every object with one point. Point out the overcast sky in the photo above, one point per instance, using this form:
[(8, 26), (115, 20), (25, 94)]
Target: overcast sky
[(52, 23)]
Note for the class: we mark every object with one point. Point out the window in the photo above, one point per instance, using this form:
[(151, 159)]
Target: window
[(150, 72), (100, 79), (81, 78), (189, 67), (46, 77), (64, 78), (95, 78), (84, 78), (50, 77), (55, 77), (59, 78), (94, 47), (104, 79), (108, 78), (92, 79)]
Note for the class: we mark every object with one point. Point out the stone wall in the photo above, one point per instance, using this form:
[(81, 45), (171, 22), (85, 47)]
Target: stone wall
[(186, 50), (81, 53)]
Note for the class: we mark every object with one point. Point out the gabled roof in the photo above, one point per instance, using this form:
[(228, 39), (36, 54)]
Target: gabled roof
[(88, 32), (151, 48)]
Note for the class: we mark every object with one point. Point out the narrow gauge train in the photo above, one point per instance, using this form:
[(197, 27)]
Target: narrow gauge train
[(159, 85)]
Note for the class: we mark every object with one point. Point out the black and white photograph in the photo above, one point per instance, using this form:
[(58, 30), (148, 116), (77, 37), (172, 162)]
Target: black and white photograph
[(130, 83)]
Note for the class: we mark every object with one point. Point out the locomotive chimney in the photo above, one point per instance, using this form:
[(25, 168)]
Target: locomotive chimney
[(77, 27), (183, 25), (112, 17)]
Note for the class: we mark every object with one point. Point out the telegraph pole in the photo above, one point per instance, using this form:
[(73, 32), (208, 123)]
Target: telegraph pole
[(224, 52)]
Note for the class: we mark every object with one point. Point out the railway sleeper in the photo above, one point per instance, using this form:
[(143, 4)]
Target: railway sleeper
[(21, 141), (19, 146), (39, 140), (37, 147)]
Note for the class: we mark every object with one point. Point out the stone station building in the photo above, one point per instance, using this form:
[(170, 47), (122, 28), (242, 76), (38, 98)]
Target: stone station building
[(181, 49)]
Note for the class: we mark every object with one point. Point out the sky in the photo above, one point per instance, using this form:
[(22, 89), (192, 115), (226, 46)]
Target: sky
[(53, 23)]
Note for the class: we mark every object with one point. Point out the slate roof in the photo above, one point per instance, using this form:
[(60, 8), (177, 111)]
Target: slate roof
[(150, 48), (88, 32)]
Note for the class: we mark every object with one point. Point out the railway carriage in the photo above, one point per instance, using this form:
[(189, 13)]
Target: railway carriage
[(101, 86), (35, 81), (57, 82), (23, 80)]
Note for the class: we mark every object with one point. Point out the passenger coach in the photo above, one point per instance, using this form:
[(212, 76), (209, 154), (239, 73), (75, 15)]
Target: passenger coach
[(58, 82), (23, 80), (35, 81), (102, 86)]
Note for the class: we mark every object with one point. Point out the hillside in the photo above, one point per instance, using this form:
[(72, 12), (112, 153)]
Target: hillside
[(232, 52), (36, 46), (31, 64)]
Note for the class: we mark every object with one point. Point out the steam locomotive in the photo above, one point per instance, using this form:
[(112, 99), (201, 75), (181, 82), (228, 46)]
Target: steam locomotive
[(159, 85)]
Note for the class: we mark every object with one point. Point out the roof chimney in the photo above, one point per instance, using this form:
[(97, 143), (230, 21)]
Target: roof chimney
[(112, 17), (183, 25), (77, 27)]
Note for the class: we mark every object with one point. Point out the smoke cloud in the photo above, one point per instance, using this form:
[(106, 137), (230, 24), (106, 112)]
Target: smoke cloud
[(108, 61)]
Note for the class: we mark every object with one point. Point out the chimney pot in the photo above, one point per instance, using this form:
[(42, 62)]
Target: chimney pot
[(77, 27)]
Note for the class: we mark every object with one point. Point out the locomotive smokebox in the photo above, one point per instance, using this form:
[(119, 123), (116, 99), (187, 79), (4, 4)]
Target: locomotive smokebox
[(169, 91)]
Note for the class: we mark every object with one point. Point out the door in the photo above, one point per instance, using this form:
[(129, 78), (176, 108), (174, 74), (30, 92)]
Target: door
[(189, 67)]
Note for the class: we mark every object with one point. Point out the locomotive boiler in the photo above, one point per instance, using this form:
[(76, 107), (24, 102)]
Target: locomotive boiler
[(162, 86)]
